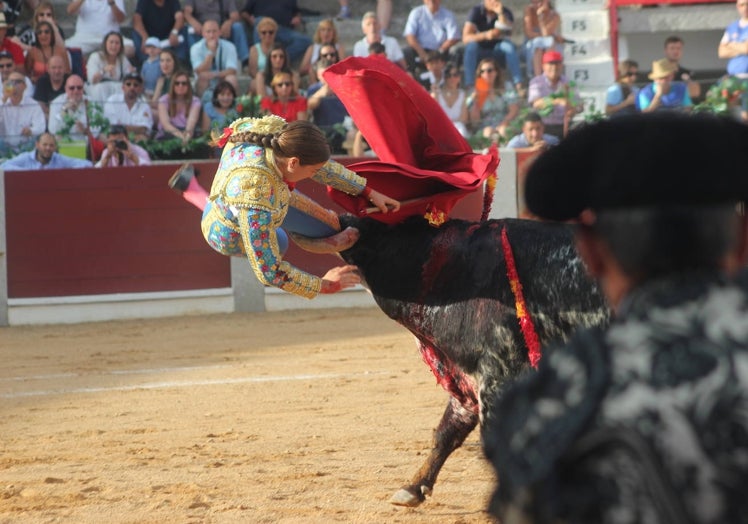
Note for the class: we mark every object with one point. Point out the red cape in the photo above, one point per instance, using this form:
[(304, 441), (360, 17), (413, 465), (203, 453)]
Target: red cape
[(421, 154)]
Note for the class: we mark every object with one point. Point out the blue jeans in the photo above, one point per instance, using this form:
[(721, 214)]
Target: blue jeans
[(296, 43), (238, 38), (503, 51)]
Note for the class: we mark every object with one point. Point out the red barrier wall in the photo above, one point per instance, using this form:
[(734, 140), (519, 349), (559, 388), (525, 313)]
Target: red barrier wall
[(94, 231), (122, 230)]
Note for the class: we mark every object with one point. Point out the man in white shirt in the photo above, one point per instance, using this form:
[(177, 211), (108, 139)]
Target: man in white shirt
[(95, 19), (373, 33), (69, 106), (21, 117), (129, 109)]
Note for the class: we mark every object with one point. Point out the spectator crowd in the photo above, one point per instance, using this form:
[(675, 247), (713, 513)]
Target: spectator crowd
[(175, 74)]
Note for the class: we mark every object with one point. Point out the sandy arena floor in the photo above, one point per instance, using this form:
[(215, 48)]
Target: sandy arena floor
[(314, 416)]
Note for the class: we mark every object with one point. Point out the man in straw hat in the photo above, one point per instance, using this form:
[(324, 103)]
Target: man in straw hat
[(643, 420), (664, 92)]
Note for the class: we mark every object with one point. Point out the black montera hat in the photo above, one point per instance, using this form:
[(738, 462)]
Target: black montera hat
[(647, 160)]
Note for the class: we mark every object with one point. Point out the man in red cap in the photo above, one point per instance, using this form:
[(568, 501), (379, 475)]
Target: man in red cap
[(551, 96)]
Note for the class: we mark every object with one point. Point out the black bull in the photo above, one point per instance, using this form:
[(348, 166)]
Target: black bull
[(449, 287)]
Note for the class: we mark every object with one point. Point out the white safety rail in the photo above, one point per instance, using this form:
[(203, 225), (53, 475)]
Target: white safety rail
[(588, 59)]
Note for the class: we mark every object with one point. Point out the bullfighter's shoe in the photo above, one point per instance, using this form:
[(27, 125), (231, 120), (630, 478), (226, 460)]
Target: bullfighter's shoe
[(184, 182)]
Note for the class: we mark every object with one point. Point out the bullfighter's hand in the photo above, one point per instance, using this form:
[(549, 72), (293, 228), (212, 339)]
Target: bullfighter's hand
[(340, 278), (383, 202)]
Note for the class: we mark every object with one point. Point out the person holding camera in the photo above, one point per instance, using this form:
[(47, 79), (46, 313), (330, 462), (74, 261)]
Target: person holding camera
[(121, 152)]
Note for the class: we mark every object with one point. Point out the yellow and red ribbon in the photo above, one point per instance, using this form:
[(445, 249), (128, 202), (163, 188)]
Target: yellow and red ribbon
[(227, 131), (523, 315)]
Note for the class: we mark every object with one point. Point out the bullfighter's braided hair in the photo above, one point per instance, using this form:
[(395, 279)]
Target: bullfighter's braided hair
[(300, 139)]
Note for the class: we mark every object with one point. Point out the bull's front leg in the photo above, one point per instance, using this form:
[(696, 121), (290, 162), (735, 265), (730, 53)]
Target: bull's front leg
[(454, 427)]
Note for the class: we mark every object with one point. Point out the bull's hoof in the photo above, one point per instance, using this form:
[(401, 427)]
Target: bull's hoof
[(405, 497)]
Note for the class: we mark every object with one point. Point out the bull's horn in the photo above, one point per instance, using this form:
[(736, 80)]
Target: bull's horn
[(327, 245)]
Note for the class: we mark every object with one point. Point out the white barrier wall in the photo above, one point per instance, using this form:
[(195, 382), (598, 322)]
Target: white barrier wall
[(588, 59)]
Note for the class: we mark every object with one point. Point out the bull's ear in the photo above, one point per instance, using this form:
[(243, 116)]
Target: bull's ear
[(328, 245)]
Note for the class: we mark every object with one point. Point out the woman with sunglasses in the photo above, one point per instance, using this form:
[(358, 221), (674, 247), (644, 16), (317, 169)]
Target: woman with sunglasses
[(453, 99), (253, 205), (107, 67), (621, 97), (494, 103), (277, 62), (179, 110), (45, 47), (285, 100), (326, 35), (44, 12), (267, 28)]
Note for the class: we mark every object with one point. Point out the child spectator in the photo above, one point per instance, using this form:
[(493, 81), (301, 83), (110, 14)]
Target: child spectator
[(163, 19), (220, 112), (151, 68), (433, 78)]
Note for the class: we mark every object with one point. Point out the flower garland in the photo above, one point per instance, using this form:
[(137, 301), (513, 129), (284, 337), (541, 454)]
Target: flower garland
[(725, 97), (523, 315)]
